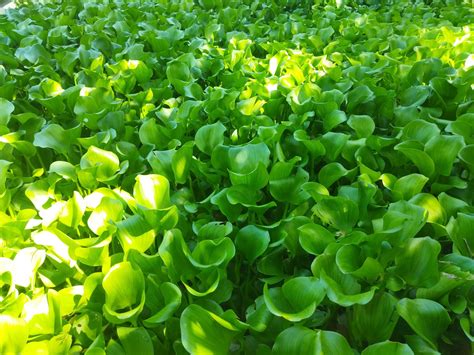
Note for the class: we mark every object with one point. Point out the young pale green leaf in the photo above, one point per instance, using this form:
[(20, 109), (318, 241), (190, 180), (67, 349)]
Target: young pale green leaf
[(152, 191), (436, 212), (14, 334), (123, 304), (106, 163)]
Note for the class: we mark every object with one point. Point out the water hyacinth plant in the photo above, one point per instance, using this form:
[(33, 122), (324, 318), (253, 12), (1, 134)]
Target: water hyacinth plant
[(237, 177)]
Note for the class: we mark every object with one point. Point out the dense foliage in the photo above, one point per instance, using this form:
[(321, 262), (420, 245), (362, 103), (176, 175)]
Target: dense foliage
[(249, 176)]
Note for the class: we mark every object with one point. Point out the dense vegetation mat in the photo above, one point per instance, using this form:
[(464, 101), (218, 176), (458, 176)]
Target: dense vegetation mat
[(249, 176)]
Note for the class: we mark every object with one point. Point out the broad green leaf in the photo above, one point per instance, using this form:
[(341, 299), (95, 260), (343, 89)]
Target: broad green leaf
[(363, 125), (135, 340), (389, 348), (315, 238), (331, 173), (413, 151), (360, 95), (169, 300), (460, 232), (56, 137), (6, 109), (108, 211), (14, 334), (444, 150), (427, 318), (296, 300), (252, 242), (181, 163), (300, 340), (374, 321), (209, 136), (436, 213), (204, 332), (408, 186), (466, 155), (123, 304), (415, 95), (339, 212), (135, 233), (417, 263), (25, 265), (341, 288), (105, 162), (152, 191)]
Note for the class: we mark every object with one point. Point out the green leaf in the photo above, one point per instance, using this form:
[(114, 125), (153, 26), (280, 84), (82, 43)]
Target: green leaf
[(341, 288), (466, 155), (413, 151), (331, 173), (363, 125), (315, 238), (408, 186), (427, 318), (300, 340), (339, 212), (204, 332), (152, 191), (106, 163), (123, 304), (375, 321), (415, 95), (109, 210), (436, 213), (135, 340), (360, 95), (444, 150), (181, 163), (210, 136), (14, 334), (168, 303), (6, 109), (252, 242), (417, 263), (460, 232), (296, 300), (389, 348), (57, 138)]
